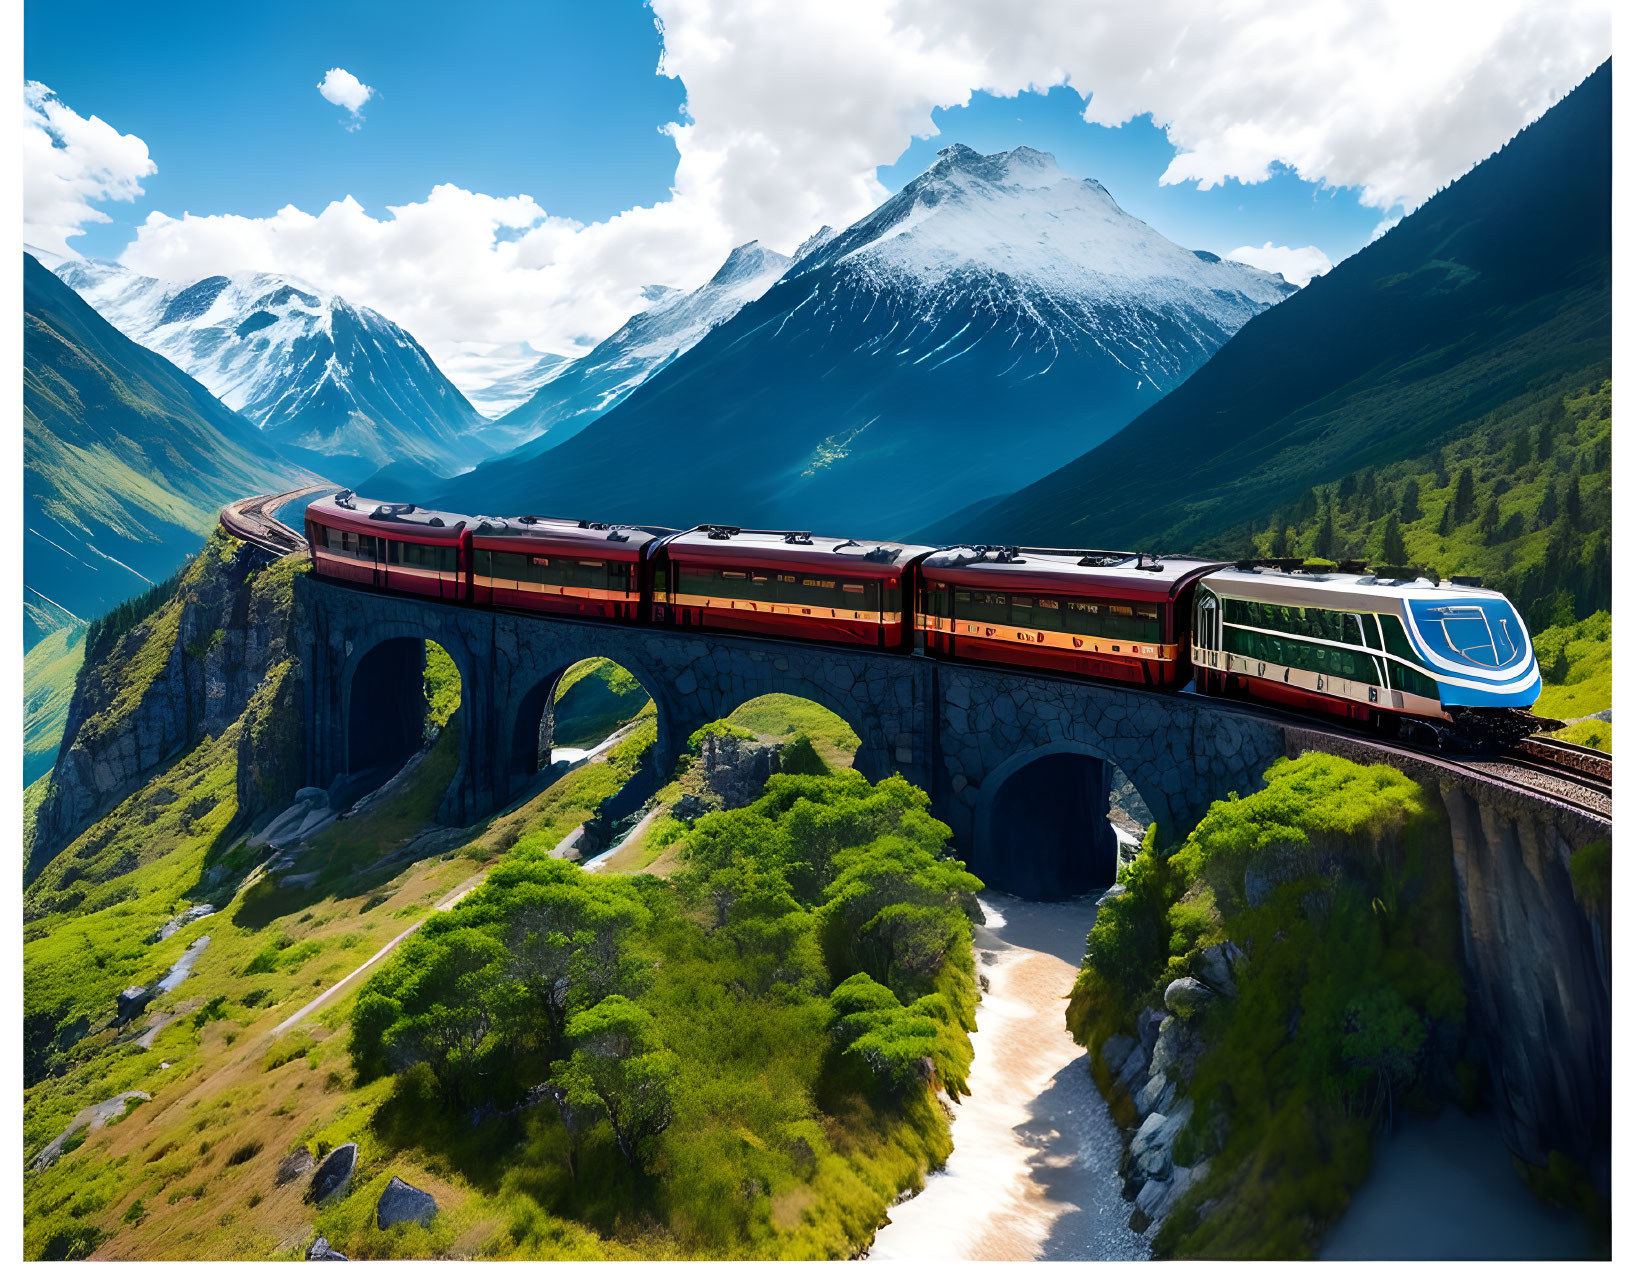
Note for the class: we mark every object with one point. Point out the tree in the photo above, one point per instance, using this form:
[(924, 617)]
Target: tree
[(619, 1065), (1393, 548), (1548, 507), (1490, 520), (1324, 541), (1464, 496), (1410, 500), (443, 1002), (1572, 503)]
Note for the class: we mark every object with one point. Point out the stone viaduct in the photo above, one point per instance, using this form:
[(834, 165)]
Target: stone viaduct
[(1016, 763), (1019, 766)]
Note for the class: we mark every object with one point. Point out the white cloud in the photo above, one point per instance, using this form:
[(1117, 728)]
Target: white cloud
[(1298, 264), (342, 88), (792, 104), (69, 162)]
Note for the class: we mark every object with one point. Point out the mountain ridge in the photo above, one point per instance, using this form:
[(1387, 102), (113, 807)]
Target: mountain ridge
[(990, 292), (332, 383), (1451, 313)]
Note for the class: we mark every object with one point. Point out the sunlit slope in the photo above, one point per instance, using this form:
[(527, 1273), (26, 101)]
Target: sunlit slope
[(126, 460)]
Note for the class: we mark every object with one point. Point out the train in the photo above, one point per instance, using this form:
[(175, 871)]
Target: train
[(1444, 663)]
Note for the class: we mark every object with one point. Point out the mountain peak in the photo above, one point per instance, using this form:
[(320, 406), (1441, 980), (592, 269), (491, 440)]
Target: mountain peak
[(752, 259)]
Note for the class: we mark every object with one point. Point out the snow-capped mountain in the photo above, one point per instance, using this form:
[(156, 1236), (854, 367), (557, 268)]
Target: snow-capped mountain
[(497, 378), (336, 386), (991, 321), (577, 392)]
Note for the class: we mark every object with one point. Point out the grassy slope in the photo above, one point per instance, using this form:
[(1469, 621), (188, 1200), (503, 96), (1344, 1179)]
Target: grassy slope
[(49, 670)]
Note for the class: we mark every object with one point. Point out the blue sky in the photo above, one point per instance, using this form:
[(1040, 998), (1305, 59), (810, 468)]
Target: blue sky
[(520, 171), (560, 101)]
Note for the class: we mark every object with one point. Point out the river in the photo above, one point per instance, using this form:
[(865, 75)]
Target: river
[(1033, 1171), (1032, 1175)]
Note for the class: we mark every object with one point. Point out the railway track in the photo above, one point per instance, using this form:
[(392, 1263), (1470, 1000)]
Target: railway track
[(1555, 770), (252, 520)]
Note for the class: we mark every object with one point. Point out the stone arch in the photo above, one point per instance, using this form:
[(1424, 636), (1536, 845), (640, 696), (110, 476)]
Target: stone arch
[(874, 759), (1040, 828), (382, 710), (521, 737)]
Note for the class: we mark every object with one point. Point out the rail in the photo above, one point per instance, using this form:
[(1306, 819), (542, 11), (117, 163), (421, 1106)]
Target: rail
[(252, 520)]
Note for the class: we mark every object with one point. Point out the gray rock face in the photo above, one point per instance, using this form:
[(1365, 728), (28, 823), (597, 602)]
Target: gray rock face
[(1155, 1095), (736, 770), (227, 640), (1133, 1073), (322, 1253), (1154, 1141), (1116, 1051), (402, 1203), (298, 1164), (1218, 965), (334, 1174), (188, 916), (1186, 995)]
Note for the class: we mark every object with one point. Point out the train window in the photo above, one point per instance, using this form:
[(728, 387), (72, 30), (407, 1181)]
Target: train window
[(935, 600), (1371, 632), (990, 608), (852, 588), (1411, 680)]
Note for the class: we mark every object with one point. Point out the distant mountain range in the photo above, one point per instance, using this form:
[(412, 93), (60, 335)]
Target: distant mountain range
[(332, 384), (983, 326), (126, 460), (1496, 289), (497, 378), (573, 394)]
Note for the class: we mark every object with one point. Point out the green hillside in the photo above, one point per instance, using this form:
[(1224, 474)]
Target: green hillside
[(126, 460), (49, 669), (1494, 294)]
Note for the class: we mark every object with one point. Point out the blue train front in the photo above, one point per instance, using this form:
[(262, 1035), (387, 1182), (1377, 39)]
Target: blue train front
[(1437, 662)]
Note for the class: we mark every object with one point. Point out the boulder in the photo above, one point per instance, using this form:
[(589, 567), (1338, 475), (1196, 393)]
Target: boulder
[(331, 1178), (1154, 1141), (1134, 1071), (1112, 894), (1116, 1051), (1146, 1027), (132, 1000), (401, 1203), (1218, 966), (322, 1253), (298, 1164), (1186, 995), (1155, 1095)]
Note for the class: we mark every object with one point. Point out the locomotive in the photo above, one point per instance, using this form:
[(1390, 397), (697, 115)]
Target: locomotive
[(1443, 663)]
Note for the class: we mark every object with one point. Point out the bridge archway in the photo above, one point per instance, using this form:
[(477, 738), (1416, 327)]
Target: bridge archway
[(399, 692), (1041, 826), (567, 713)]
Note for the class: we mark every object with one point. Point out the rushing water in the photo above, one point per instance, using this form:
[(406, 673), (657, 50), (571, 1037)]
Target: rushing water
[(1032, 1175)]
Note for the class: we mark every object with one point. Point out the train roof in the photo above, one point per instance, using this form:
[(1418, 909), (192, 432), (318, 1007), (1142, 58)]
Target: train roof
[(374, 517), (1065, 570), (736, 546), (1360, 591), (566, 533)]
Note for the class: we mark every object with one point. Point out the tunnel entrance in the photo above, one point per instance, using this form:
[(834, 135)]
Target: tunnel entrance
[(1044, 833), (405, 693)]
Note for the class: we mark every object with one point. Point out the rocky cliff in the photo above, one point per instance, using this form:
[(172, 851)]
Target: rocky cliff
[(217, 650)]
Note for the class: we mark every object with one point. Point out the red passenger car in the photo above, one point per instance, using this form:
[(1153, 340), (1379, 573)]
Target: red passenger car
[(822, 588), (1107, 615), (389, 546), (560, 566)]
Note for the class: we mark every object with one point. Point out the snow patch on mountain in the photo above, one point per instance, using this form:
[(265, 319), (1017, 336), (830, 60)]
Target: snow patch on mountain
[(339, 384), (578, 392), (497, 378)]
